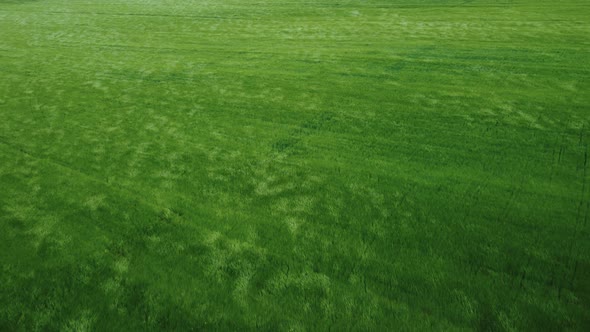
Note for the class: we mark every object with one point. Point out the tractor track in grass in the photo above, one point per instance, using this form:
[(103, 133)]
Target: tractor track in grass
[(581, 221)]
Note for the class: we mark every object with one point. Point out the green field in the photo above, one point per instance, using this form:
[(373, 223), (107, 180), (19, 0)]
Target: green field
[(294, 165)]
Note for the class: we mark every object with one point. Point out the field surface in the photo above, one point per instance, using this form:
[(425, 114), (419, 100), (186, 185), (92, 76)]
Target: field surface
[(294, 165)]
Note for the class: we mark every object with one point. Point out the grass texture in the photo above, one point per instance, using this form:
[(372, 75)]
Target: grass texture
[(293, 165)]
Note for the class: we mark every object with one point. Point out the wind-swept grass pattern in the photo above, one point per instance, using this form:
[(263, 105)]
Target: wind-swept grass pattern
[(294, 165)]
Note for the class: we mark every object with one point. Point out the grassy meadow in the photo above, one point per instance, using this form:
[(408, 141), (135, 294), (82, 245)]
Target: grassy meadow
[(294, 165)]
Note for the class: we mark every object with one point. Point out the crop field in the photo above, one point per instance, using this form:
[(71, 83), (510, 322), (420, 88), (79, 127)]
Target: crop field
[(294, 165)]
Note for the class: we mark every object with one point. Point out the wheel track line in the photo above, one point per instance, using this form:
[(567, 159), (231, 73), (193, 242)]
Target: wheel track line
[(575, 251)]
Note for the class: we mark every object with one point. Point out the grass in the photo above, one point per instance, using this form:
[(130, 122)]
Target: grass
[(294, 165)]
